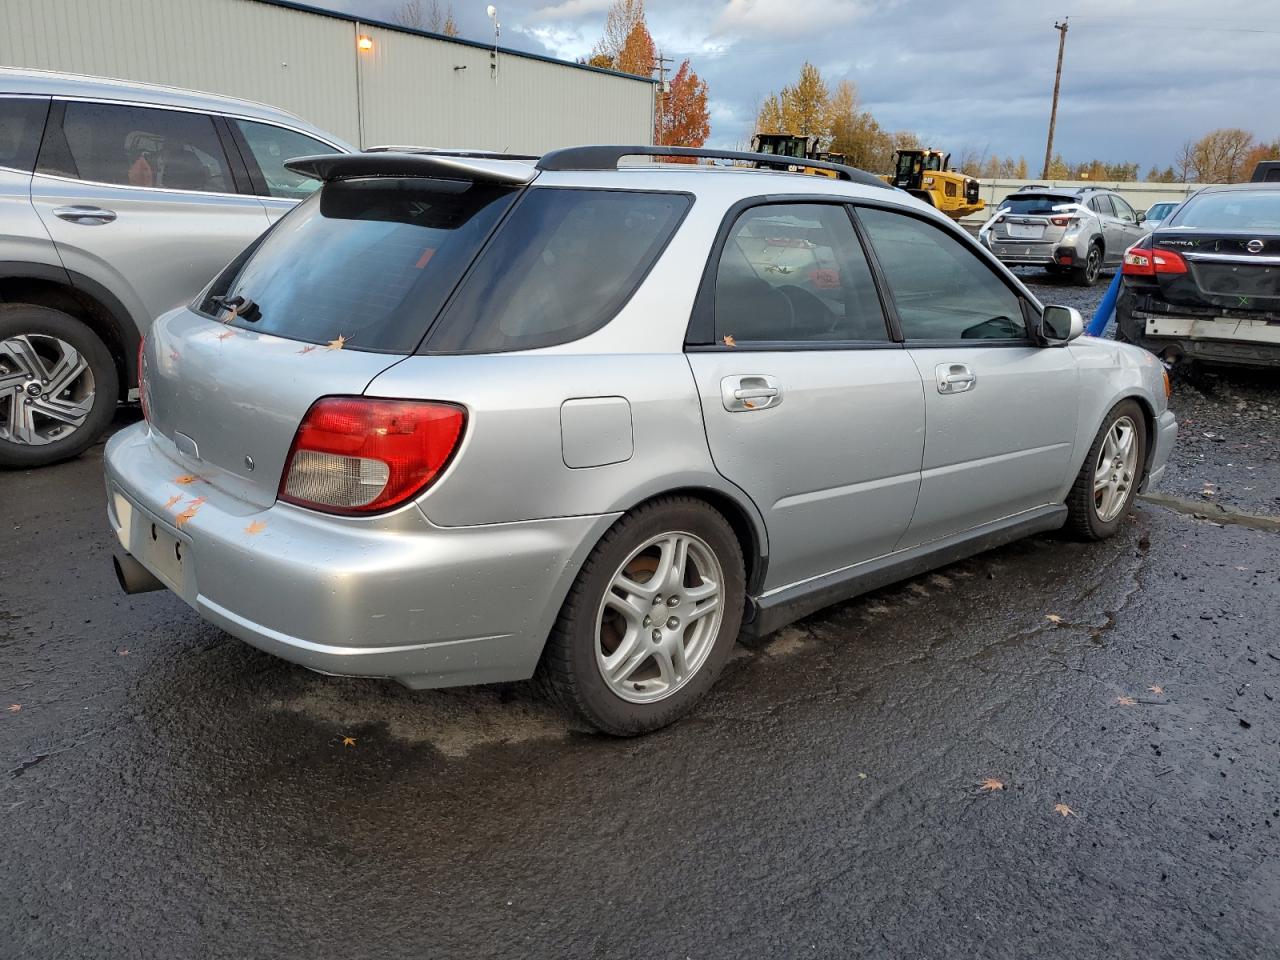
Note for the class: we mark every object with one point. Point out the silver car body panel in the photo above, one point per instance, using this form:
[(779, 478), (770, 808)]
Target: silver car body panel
[(862, 472)]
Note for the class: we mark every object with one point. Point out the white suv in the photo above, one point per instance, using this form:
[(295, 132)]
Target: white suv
[(118, 201)]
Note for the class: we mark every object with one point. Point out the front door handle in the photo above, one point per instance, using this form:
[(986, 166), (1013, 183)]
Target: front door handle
[(84, 215), (750, 392), (955, 378)]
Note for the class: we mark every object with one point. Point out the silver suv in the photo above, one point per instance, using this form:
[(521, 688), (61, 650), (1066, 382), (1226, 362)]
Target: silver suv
[(459, 420), (118, 201), (1066, 231)]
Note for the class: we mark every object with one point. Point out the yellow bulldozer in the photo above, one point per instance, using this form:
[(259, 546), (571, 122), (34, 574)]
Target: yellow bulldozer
[(926, 174), (800, 148)]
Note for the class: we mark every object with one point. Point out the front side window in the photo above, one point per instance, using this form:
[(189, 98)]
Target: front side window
[(1123, 210), (942, 289), (562, 265), (136, 147), (21, 123), (271, 146), (370, 261), (795, 273)]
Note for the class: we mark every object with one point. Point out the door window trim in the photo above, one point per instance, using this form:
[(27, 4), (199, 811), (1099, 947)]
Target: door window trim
[(1030, 314), (700, 332)]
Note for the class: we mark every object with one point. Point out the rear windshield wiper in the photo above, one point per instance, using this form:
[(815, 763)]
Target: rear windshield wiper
[(241, 306)]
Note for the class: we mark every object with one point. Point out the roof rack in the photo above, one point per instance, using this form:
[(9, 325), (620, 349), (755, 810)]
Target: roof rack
[(607, 157)]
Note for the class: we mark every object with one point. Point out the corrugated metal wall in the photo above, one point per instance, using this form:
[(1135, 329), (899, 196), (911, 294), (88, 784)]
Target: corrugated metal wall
[(307, 63)]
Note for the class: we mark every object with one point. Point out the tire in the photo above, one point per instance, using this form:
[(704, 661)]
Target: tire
[(592, 633), (1087, 275), (66, 420), (1094, 514)]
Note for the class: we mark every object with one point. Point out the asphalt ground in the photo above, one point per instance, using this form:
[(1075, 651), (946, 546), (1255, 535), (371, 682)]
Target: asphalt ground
[(166, 791)]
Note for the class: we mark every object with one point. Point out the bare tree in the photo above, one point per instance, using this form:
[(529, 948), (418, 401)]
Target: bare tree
[(411, 14)]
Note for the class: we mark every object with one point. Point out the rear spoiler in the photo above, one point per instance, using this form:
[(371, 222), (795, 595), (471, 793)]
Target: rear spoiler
[(348, 166)]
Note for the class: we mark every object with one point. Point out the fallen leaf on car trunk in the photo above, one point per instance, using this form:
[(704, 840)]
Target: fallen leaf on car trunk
[(186, 478), (168, 504), (307, 349), (185, 516), (990, 784), (256, 527), (226, 334), (1063, 809), (336, 343), (1126, 701), (729, 341), (231, 314)]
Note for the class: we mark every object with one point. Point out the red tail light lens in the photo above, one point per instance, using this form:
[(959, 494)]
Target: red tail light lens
[(142, 381), (1061, 221), (361, 455), (1142, 260)]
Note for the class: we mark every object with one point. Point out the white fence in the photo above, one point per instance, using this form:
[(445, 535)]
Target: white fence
[(1140, 195)]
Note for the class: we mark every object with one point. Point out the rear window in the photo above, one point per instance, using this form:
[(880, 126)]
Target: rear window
[(1231, 210), (371, 261), (1037, 204), (563, 264)]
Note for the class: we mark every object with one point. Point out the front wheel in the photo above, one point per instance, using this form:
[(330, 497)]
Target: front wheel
[(58, 386), (651, 619), (1107, 483)]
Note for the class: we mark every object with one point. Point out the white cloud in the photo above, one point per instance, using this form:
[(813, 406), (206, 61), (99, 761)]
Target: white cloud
[(569, 9), (788, 16)]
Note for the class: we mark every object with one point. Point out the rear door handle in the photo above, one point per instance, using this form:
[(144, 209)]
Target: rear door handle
[(750, 392), (955, 378), (84, 215)]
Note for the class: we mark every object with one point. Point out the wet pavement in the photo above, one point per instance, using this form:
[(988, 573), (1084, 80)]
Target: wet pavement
[(168, 791)]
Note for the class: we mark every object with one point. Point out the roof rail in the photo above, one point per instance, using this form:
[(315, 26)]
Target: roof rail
[(607, 157)]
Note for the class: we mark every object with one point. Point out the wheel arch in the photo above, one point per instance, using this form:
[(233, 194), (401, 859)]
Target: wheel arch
[(85, 300)]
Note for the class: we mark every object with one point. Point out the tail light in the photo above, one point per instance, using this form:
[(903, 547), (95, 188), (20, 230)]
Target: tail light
[(1062, 221), (361, 455), (142, 380), (1000, 219), (1142, 260)]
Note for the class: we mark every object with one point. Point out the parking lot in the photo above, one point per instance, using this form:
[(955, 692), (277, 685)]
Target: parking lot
[(1053, 749)]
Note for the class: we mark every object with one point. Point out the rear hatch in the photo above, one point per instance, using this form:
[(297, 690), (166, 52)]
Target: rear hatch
[(337, 292), (1034, 218)]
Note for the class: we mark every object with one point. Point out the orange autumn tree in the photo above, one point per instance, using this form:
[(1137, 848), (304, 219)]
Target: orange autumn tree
[(637, 53), (682, 119)]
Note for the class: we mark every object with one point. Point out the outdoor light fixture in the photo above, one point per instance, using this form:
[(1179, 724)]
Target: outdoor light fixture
[(364, 43)]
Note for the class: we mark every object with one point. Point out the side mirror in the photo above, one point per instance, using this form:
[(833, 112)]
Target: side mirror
[(1060, 325), (1142, 216)]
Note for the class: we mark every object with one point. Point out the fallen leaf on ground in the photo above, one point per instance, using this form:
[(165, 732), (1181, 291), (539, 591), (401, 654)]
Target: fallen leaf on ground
[(123, 651), (729, 341), (862, 776), (168, 504), (14, 707), (1063, 809), (307, 349), (1053, 618), (1126, 701), (348, 741), (256, 527), (991, 784), (1156, 689), (336, 343), (187, 478)]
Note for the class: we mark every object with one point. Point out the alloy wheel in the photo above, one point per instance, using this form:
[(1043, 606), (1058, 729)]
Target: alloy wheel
[(1115, 469), (1093, 265), (46, 389), (659, 618)]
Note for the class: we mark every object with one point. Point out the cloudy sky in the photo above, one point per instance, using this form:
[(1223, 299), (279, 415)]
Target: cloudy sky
[(1140, 76)]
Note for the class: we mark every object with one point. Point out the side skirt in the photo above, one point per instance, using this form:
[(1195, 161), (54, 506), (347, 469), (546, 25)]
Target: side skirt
[(775, 611)]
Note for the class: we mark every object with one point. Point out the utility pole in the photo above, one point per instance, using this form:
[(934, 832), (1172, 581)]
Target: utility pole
[(660, 66), (1057, 83)]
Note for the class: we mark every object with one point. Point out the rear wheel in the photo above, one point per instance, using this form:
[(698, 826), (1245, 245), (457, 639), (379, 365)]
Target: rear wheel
[(1086, 275), (1107, 483), (58, 386), (651, 619)]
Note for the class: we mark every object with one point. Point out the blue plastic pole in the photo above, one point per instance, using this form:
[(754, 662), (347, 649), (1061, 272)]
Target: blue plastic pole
[(1105, 309)]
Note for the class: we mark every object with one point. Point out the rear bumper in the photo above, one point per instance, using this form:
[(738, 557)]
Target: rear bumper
[(1032, 254), (1166, 433), (378, 597), (1212, 339)]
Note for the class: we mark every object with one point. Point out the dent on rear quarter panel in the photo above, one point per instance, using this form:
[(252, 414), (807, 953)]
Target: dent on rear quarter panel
[(512, 465)]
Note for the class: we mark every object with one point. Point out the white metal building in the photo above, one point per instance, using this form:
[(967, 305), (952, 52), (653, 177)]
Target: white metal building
[(369, 83)]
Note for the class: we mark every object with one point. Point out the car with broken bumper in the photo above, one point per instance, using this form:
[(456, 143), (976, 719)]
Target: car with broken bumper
[(1205, 286), (458, 419)]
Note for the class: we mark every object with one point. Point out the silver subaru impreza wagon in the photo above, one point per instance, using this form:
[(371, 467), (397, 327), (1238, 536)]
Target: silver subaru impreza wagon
[(461, 419)]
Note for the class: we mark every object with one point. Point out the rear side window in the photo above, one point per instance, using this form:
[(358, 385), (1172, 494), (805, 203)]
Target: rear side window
[(270, 147), (942, 289), (21, 124), (369, 261), (136, 147), (795, 272), (563, 264)]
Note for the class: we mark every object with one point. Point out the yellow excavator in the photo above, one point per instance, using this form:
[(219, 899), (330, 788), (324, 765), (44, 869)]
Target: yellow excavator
[(926, 174), (800, 148)]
